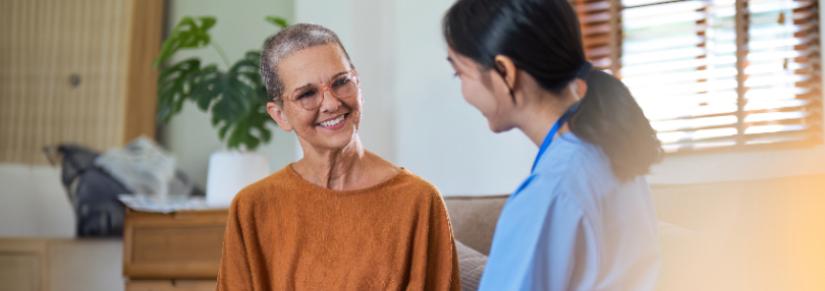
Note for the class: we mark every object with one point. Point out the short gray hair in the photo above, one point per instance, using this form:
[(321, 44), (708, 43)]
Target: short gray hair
[(291, 39)]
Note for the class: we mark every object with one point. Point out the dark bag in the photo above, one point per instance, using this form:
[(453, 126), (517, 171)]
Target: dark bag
[(92, 192)]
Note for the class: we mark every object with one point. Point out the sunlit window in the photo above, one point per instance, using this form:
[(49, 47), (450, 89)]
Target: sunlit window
[(717, 73)]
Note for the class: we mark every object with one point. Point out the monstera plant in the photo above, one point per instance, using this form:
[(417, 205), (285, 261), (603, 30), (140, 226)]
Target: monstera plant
[(233, 96)]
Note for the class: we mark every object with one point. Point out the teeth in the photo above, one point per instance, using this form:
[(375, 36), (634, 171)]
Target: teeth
[(334, 122)]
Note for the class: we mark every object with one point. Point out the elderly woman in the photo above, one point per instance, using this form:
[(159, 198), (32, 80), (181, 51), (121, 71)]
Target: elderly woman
[(340, 218)]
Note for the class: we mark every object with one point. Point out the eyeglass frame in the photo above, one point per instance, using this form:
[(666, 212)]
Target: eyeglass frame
[(327, 87)]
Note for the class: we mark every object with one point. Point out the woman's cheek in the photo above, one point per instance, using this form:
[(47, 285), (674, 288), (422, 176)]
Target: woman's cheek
[(475, 96)]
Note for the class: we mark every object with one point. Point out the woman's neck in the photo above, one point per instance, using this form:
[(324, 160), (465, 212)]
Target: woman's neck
[(336, 169), (536, 120)]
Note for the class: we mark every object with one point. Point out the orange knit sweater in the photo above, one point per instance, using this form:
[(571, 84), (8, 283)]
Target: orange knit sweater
[(285, 233)]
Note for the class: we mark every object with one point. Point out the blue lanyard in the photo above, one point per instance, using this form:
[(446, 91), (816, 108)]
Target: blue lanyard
[(555, 129)]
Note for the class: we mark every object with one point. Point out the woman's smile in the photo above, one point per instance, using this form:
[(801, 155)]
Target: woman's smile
[(333, 123)]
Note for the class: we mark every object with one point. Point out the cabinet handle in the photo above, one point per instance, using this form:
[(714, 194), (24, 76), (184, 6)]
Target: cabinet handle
[(74, 80)]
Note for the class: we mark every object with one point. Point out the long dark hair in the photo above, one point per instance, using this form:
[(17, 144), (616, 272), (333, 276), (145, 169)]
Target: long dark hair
[(542, 38)]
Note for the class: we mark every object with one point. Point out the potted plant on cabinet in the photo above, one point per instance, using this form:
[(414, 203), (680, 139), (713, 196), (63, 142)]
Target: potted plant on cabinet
[(234, 97)]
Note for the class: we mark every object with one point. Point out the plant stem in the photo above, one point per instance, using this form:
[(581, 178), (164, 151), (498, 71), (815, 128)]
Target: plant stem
[(221, 53)]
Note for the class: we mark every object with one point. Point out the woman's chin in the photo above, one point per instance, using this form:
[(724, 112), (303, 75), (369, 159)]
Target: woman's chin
[(337, 139), (498, 128)]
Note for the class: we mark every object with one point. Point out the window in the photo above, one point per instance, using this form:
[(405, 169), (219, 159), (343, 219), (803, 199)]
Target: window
[(714, 74)]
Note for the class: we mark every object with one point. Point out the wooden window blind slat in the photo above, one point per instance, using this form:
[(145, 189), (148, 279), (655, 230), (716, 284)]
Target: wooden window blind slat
[(714, 74)]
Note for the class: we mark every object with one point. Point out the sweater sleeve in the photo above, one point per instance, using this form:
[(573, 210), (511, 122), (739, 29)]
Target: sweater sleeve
[(446, 278), (234, 272), (435, 258)]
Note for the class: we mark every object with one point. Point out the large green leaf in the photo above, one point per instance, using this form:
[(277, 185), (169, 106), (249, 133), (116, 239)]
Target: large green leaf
[(277, 21), (187, 34), (239, 115), (235, 98), (174, 87)]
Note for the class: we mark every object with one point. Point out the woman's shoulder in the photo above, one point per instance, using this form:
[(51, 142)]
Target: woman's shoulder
[(405, 189), (403, 178), (265, 188), (410, 191), (570, 157), (410, 180)]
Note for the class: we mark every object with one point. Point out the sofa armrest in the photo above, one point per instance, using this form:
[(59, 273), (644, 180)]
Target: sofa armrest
[(474, 219)]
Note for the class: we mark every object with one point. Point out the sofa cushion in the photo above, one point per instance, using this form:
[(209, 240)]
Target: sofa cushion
[(471, 265)]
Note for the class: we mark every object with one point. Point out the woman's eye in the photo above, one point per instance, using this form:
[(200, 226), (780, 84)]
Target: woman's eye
[(305, 95), (340, 82), (455, 74)]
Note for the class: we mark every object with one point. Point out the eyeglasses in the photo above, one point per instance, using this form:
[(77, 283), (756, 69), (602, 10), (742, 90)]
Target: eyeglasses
[(342, 86)]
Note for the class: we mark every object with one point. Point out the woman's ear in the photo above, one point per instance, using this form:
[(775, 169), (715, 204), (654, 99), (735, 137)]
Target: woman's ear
[(277, 113), (507, 69), (581, 88)]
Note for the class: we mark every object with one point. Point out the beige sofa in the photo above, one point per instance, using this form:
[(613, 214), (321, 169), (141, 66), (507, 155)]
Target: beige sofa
[(474, 219), (766, 234)]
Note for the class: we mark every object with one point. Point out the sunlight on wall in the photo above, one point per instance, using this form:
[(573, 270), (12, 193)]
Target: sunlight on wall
[(759, 235)]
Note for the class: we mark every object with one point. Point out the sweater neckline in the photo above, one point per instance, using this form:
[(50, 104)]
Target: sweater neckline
[(297, 176)]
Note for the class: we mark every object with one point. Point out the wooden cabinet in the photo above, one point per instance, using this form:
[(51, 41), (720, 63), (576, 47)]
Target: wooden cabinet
[(45, 264), (177, 251), (23, 265), (171, 285)]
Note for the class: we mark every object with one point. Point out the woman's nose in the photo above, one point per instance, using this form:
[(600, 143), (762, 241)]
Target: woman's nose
[(329, 103)]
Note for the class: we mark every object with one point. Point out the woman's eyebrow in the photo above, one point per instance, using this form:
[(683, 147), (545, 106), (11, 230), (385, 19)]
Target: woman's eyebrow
[(339, 74), (305, 86)]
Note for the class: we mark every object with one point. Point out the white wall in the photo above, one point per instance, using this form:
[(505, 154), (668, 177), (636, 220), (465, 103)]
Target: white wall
[(444, 139), (240, 28), (740, 166), (33, 202)]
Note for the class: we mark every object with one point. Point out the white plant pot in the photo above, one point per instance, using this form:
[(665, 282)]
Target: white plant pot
[(231, 171)]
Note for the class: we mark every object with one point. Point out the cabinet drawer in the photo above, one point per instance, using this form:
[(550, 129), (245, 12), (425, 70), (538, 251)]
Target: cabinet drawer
[(183, 245), (171, 285), (23, 265)]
